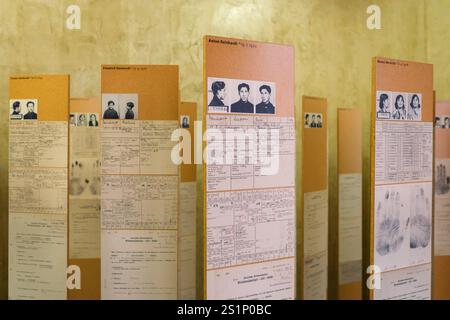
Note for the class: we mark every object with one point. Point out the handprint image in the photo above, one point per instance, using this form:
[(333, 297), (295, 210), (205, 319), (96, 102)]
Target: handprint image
[(420, 233), (95, 179), (77, 183), (390, 234), (442, 180)]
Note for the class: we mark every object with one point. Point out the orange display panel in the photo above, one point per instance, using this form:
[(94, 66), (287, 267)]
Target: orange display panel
[(349, 216), (187, 237), (38, 185), (84, 197), (248, 92), (401, 179), (441, 257), (140, 182), (314, 210)]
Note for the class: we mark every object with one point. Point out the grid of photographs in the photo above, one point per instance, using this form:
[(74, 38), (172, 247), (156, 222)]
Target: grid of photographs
[(83, 119), (23, 109), (399, 106), (442, 122), (120, 106), (313, 120), (241, 96)]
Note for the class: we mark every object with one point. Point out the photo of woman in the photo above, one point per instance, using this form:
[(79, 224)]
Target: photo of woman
[(415, 109), (400, 108)]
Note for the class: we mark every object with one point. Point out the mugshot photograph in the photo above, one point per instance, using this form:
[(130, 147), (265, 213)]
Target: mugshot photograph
[(16, 114), (31, 114), (265, 106), (415, 109), (218, 90), (243, 105), (129, 114), (185, 122), (110, 112), (82, 122), (437, 123), (383, 105), (72, 120), (93, 122), (446, 123), (319, 121), (313, 121), (307, 119), (399, 108)]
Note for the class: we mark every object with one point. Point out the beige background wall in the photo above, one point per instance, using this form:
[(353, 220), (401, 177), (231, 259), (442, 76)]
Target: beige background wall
[(333, 51)]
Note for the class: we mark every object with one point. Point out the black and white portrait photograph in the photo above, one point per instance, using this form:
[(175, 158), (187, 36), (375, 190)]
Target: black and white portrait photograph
[(93, 120), (384, 110), (243, 97), (110, 106), (81, 120), (265, 98), (438, 122), (184, 122), (399, 110), (414, 107), (23, 109), (128, 106), (446, 124), (73, 120), (218, 95)]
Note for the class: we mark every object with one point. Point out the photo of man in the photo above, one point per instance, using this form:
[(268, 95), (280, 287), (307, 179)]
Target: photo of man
[(185, 122), (218, 90), (16, 114), (313, 121), (446, 123), (30, 115), (72, 120), (307, 119), (93, 122), (265, 106), (110, 112), (129, 114), (437, 123), (319, 121), (243, 105)]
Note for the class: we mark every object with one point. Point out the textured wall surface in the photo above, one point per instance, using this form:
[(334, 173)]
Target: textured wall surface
[(332, 44)]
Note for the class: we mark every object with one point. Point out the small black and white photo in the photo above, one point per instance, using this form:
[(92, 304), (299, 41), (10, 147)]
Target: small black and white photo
[(23, 109), (442, 122), (265, 98), (93, 120), (128, 106), (243, 97), (313, 120), (399, 110), (217, 95), (414, 107), (384, 110), (81, 120), (110, 106), (184, 122), (73, 119)]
